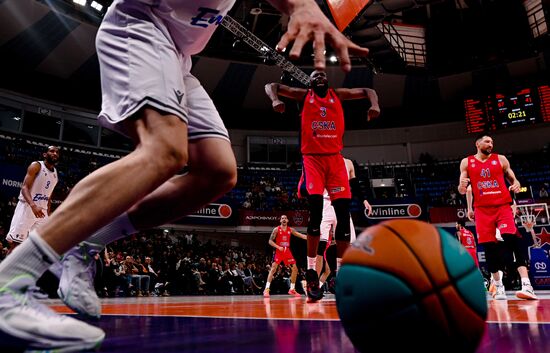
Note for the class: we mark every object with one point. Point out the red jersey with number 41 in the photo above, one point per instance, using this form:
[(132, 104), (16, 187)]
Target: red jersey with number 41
[(322, 124), (487, 179)]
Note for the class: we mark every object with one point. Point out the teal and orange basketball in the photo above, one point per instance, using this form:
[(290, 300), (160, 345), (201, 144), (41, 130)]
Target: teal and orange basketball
[(406, 285)]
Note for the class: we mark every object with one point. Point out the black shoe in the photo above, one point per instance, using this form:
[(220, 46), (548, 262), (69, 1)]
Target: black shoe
[(314, 293), (332, 285)]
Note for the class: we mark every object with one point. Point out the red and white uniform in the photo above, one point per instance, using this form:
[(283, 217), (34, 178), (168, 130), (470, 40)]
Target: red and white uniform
[(467, 240), (322, 132), (329, 221), (491, 198), (283, 239)]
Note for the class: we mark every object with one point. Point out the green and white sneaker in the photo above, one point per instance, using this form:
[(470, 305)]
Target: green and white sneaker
[(25, 323), (76, 285)]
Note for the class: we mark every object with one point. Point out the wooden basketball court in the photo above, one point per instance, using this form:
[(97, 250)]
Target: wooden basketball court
[(282, 324)]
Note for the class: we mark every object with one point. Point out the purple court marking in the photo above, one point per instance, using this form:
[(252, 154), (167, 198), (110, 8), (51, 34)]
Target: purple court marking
[(209, 335)]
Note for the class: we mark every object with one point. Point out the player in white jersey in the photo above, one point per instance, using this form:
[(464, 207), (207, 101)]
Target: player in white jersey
[(144, 49), (328, 221), (34, 205)]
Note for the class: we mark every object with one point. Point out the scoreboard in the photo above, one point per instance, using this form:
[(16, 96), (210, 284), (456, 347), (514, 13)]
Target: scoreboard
[(502, 110)]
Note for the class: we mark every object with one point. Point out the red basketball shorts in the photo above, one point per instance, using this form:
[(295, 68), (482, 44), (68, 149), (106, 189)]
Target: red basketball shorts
[(488, 219), (322, 172), (284, 256)]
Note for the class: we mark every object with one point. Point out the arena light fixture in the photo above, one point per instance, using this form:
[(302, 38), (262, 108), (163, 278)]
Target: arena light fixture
[(80, 2), (97, 6), (333, 59)]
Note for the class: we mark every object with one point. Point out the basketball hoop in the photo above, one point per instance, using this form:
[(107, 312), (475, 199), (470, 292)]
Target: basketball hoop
[(528, 221), (531, 215)]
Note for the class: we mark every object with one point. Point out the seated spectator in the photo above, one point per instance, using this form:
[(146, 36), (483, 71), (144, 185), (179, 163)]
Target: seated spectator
[(144, 273), (153, 275), (135, 278), (250, 287)]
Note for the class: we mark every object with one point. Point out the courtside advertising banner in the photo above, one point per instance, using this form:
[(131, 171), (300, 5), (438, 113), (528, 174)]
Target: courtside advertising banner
[(540, 266), (213, 213), (390, 211), (271, 218), (11, 179)]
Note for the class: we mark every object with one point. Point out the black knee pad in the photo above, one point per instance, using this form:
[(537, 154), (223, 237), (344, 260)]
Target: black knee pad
[(515, 249), (495, 256), (341, 209), (321, 248), (315, 215)]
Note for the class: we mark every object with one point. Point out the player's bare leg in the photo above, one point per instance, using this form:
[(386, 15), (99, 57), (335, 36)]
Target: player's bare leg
[(212, 172), (293, 276), (161, 151), (272, 272)]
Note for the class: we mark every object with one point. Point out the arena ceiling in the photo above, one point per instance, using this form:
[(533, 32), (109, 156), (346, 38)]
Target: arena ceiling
[(47, 46)]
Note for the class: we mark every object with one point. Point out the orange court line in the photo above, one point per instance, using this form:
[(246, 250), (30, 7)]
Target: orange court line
[(293, 308), (499, 311)]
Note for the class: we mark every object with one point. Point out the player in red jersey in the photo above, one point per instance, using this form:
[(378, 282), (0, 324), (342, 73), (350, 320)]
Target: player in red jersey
[(467, 239), (280, 240), (322, 130), (470, 205), (486, 172)]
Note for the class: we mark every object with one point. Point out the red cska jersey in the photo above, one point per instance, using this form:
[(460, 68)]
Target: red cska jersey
[(467, 239), (322, 124), (283, 237), (487, 179)]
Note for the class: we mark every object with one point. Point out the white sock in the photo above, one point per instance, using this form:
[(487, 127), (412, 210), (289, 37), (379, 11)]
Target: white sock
[(525, 281), (119, 228), (291, 286), (267, 284), (499, 283), (321, 284), (56, 269), (500, 273), (311, 261), (31, 258), (338, 263)]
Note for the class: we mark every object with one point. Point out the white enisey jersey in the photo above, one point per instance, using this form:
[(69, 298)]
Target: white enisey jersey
[(43, 186), (326, 196), (190, 23)]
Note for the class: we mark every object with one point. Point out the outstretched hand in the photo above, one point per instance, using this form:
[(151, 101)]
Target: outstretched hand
[(278, 106), (307, 22), (373, 113), (368, 207)]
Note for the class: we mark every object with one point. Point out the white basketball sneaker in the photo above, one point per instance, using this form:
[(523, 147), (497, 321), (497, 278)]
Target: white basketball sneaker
[(526, 292), (76, 285), (492, 286), (500, 293), (25, 323)]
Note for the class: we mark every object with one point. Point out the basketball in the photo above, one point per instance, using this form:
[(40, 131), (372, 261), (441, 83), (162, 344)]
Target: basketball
[(406, 284)]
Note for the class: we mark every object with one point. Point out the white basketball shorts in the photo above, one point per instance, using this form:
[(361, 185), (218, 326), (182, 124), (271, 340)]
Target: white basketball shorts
[(140, 66), (329, 220), (23, 222)]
